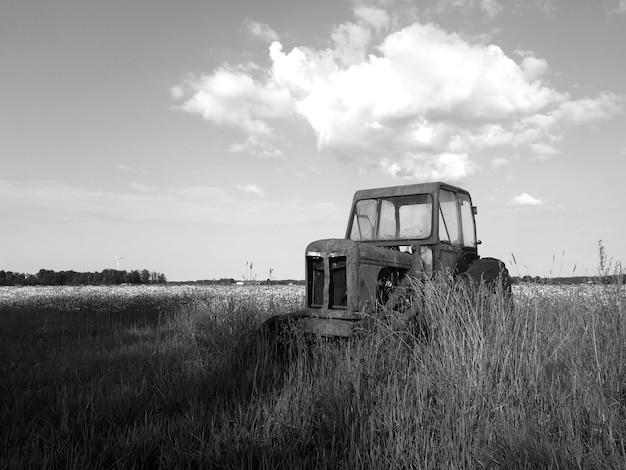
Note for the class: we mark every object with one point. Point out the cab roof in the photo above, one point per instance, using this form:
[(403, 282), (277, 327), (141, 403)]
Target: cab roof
[(406, 190)]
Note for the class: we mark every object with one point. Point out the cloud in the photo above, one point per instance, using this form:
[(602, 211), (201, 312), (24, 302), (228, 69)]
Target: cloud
[(526, 199), (143, 188), (44, 204), (491, 7), (374, 17), (309, 171), (620, 7), (499, 162), (542, 151), (586, 110), (233, 98), (418, 102), (130, 169), (262, 148), (260, 30), (251, 189)]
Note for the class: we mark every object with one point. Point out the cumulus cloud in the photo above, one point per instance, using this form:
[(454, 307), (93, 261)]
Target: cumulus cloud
[(526, 199), (418, 102), (233, 98), (374, 17)]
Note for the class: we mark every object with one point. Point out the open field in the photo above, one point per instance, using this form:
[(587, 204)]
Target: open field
[(145, 377)]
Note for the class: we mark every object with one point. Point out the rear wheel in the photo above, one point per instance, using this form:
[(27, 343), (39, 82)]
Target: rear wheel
[(490, 272)]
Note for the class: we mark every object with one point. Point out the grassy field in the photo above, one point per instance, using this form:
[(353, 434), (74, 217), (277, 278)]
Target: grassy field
[(139, 377)]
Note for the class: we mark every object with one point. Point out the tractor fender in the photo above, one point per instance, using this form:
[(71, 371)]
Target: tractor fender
[(490, 271)]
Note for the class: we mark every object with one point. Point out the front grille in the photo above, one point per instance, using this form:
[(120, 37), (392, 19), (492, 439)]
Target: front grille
[(338, 289), (315, 269)]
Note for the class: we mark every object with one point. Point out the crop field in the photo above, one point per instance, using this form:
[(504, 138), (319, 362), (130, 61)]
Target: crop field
[(177, 376)]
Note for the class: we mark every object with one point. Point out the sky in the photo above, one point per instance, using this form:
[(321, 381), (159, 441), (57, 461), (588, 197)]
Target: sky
[(197, 137)]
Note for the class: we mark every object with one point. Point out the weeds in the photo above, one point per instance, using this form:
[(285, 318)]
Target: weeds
[(178, 379)]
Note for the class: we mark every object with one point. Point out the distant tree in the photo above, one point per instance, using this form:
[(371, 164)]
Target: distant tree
[(83, 278), (134, 277), (44, 276), (145, 276)]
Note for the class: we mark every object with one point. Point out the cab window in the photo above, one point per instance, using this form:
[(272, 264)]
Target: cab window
[(449, 217), (467, 220)]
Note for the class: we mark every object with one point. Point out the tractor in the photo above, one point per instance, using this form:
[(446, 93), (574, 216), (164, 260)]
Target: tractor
[(394, 234)]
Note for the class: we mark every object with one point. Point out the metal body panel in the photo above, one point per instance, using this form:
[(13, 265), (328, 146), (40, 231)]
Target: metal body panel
[(336, 306), (328, 327), (363, 264)]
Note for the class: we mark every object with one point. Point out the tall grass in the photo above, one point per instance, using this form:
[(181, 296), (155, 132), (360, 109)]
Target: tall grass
[(173, 379)]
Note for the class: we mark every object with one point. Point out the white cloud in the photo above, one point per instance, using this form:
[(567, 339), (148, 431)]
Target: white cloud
[(542, 151), (251, 189), (53, 203), (260, 30), (235, 99), (419, 102), (309, 171), (499, 162), (377, 18), (450, 166), (533, 68), (262, 148), (177, 92), (620, 8), (129, 169), (590, 109), (143, 188), (491, 7), (526, 199)]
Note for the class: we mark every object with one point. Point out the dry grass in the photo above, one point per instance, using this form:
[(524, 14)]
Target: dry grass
[(173, 377)]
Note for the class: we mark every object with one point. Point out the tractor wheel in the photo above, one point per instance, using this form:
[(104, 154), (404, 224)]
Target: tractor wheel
[(280, 333), (490, 271)]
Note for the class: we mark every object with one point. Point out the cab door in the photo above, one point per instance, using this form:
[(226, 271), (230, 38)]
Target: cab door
[(450, 231)]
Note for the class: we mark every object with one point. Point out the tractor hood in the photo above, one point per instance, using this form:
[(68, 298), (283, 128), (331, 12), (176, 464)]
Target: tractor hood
[(342, 275), (363, 252)]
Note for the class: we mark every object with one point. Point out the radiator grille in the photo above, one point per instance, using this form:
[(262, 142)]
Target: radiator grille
[(338, 289), (315, 268)]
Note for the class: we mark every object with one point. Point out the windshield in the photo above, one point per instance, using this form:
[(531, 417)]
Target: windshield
[(391, 218)]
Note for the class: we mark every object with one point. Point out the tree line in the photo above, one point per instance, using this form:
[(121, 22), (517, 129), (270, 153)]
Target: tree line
[(49, 277), (606, 279)]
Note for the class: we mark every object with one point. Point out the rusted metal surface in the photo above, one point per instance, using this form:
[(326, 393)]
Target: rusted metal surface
[(348, 281)]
